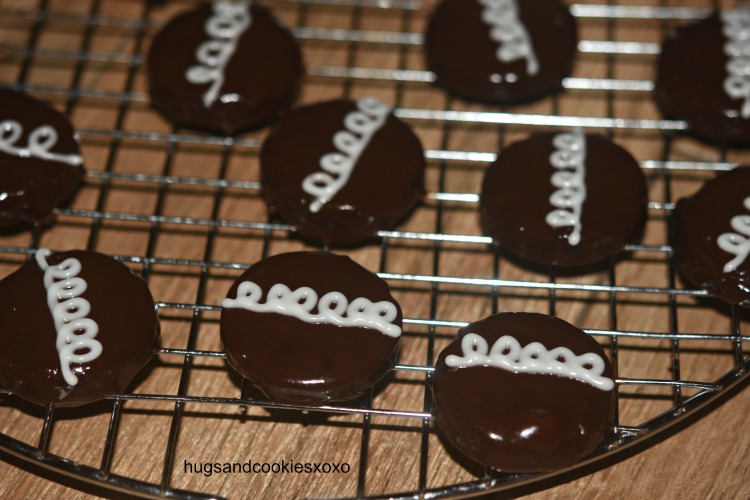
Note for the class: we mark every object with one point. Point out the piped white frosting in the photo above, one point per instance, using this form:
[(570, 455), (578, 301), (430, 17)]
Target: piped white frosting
[(507, 354), (507, 29), (333, 308), (337, 167), (737, 243), (569, 158), (736, 28), (75, 332), (225, 27), (41, 140)]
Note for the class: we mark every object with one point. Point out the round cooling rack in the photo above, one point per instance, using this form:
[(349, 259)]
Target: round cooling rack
[(184, 210)]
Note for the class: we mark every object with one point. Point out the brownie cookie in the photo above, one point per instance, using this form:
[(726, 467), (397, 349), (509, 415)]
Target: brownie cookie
[(224, 67), (712, 237), (340, 171), (39, 158), (77, 327), (564, 199), (310, 328), (702, 77), (524, 392), (501, 51)]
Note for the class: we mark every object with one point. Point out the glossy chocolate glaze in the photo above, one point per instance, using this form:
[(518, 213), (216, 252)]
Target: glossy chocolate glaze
[(515, 202), (262, 78), (385, 185), (121, 305), (521, 422), (690, 83), (295, 362), (460, 51), (31, 187), (699, 221)]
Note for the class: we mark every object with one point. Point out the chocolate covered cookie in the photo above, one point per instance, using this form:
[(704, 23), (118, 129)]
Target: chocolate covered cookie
[(340, 171), (501, 51), (524, 392), (712, 237), (40, 161), (224, 67), (77, 327), (564, 199), (702, 76), (310, 328)]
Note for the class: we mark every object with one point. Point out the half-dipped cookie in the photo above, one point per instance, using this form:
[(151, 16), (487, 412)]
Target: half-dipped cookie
[(77, 327), (310, 327), (524, 392)]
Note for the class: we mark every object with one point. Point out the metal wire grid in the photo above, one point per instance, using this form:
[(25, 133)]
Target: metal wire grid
[(686, 395)]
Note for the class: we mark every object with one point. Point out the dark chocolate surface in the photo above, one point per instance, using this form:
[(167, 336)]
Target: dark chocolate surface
[(31, 187), (460, 51), (699, 221), (262, 77), (122, 307), (515, 202), (295, 362), (690, 83), (522, 422), (385, 185)]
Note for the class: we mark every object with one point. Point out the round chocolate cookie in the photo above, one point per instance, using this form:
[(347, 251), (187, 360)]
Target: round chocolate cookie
[(224, 67), (501, 51), (565, 199), (77, 327), (702, 77), (310, 328), (524, 392), (340, 171), (712, 236), (39, 158)]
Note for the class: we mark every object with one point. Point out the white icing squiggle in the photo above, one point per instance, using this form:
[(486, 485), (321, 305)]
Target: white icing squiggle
[(332, 308), (360, 125), (508, 30), (41, 140), (737, 243), (75, 332), (736, 27), (225, 27), (570, 160), (508, 355)]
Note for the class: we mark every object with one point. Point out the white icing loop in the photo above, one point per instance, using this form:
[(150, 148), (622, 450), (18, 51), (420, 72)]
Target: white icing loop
[(737, 243), (225, 27), (736, 28), (508, 355), (75, 332), (570, 158), (333, 308), (41, 140), (337, 167), (507, 29)]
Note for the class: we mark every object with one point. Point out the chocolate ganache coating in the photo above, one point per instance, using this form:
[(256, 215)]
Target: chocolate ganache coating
[(521, 52), (385, 179), (523, 422), (523, 187), (39, 159), (712, 236), (112, 296), (224, 67), (323, 357), (692, 72)]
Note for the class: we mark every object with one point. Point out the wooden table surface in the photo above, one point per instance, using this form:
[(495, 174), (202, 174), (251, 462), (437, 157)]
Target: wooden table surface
[(184, 209)]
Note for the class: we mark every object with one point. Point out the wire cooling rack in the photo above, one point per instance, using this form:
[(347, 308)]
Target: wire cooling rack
[(184, 210)]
